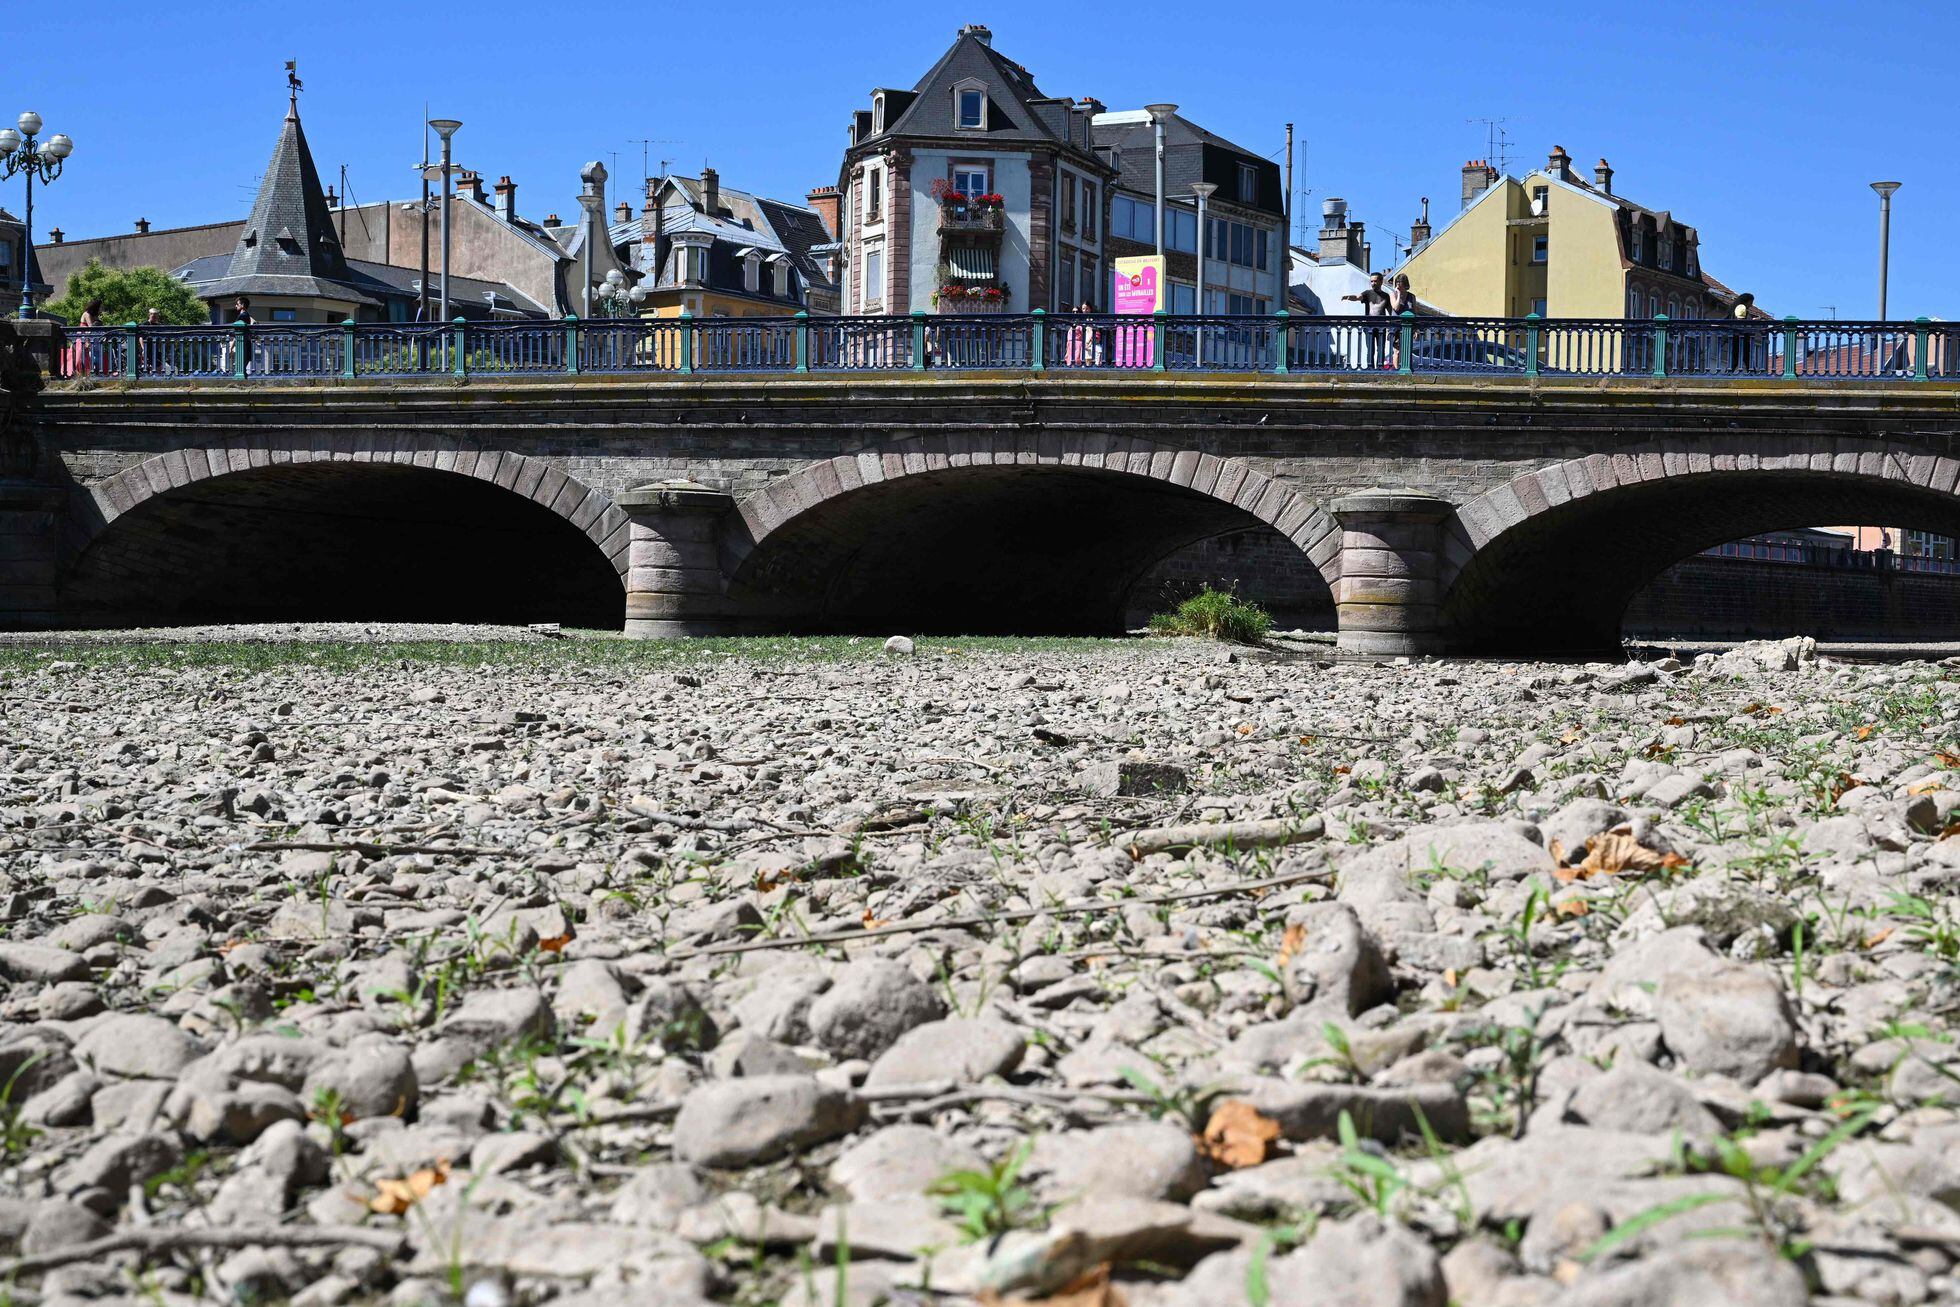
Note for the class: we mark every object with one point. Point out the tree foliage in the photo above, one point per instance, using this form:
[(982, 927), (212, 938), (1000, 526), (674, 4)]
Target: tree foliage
[(128, 295)]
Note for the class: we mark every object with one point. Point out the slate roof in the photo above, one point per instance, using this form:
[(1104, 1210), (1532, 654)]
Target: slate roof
[(777, 228), (288, 245), (1127, 142), (379, 282)]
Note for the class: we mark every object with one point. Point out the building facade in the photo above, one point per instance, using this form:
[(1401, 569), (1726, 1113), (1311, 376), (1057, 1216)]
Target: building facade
[(17, 263), (1554, 244), (713, 251), (953, 194), (1245, 214)]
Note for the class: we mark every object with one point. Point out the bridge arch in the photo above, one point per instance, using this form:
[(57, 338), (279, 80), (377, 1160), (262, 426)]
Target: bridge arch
[(1551, 559), (1036, 520), (273, 524)]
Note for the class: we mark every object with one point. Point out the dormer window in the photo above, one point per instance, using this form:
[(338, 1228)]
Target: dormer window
[(878, 113), (970, 107), (1248, 184), (1638, 244), (780, 279), (751, 270)]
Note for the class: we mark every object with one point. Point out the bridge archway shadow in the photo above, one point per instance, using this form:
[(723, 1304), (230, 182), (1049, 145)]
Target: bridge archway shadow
[(1560, 580), (340, 541), (997, 548)]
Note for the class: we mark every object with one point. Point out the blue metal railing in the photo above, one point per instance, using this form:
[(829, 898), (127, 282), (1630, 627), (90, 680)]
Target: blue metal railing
[(1790, 350)]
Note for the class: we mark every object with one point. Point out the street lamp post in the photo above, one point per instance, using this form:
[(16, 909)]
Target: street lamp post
[(20, 152), (445, 128), (616, 298), (1159, 114), (1203, 190), (1884, 190)]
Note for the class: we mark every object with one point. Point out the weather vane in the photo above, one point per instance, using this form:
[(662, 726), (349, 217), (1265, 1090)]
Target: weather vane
[(292, 82)]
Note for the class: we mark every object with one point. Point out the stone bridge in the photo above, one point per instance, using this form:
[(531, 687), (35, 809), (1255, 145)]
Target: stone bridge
[(1452, 514)]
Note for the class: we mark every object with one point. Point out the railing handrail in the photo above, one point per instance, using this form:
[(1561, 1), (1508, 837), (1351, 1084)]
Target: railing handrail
[(1789, 349)]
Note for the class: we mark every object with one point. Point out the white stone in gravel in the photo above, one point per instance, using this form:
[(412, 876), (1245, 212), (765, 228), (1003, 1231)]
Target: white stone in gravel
[(1732, 1272), (869, 1006), (1643, 1100), (1733, 1020), (1146, 1159), (1360, 1262), (39, 964), (136, 1045), (899, 1161), (962, 1049), (726, 1123), (374, 1078)]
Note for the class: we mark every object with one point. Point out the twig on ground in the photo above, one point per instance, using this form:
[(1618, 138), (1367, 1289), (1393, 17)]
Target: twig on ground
[(156, 1239), (995, 918), (1271, 833)]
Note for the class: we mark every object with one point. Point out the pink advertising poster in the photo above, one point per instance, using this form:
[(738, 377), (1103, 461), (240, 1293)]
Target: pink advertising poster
[(1136, 291)]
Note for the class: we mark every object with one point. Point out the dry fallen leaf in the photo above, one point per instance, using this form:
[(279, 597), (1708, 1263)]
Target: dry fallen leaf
[(1878, 937), (1572, 735), (393, 1197), (1927, 786), (1343, 770), (1291, 943), (1945, 759), (1557, 849), (554, 943), (1238, 1135), (1306, 739), (1616, 852), (1865, 732), (1090, 1289), (1843, 785), (1245, 728), (1449, 977), (1572, 908), (1676, 721), (873, 923)]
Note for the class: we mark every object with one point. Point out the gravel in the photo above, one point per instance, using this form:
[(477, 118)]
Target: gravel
[(611, 974)]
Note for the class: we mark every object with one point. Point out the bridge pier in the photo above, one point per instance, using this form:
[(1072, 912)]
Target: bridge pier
[(1391, 557), (673, 568)]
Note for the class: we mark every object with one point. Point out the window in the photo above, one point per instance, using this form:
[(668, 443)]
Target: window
[(1242, 244), (877, 113), (1068, 201), (1692, 272), (874, 193), (1673, 307), (1655, 309), (1261, 240), (1639, 244), (1633, 303), (1180, 230), (1538, 247), (1666, 253), (1091, 216), (6, 254), (972, 179), (874, 277), (1184, 297), (285, 315), (1090, 289), (1541, 199), (972, 108), (752, 270), (1067, 284), (1248, 183), (1538, 307), (781, 280), (1129, 219)]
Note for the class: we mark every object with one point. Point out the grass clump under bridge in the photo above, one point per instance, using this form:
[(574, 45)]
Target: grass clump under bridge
[(1215, 615)]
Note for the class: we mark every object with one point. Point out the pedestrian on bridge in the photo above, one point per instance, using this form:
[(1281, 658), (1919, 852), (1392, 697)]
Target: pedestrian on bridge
[(1374, 304)]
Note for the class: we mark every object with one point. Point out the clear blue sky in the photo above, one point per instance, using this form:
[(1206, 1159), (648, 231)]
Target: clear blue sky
[(1760, 123)]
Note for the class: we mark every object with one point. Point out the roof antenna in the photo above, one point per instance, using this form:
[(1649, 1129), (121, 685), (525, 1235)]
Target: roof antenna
[(1497, 142)]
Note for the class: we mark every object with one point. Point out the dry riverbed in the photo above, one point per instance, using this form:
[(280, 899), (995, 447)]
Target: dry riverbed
[(1097, 973)]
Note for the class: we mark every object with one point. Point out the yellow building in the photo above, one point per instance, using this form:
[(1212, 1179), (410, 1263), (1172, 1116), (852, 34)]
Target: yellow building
[(1551, 244)]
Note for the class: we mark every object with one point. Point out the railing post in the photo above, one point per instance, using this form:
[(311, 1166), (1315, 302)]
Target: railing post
[(459, 361), (1660, 344), (1790, 348), (802, 340), (1282, 341), (571, 344), (130, 348), (1159, 336), (240, 342), (1406, 342), (687, 341), (1038, 342), (1922, 344), (1531, 328), (918, 340), (347, 349)]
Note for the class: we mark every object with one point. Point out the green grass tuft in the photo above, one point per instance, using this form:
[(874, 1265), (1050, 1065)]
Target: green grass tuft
[(1215, 615)]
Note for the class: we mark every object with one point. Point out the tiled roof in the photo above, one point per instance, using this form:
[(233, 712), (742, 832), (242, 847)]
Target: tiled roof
[(1009, 88), (1191, 154)]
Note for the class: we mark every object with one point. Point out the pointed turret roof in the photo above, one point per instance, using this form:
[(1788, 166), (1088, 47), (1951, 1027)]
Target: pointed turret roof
[(289, 246)]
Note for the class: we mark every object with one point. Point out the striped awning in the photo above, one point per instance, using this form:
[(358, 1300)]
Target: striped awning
[(970, 262)]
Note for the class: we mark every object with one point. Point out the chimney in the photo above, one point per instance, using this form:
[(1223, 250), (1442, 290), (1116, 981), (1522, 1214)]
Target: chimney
[(1559, 164), (829, 206), (1419, 232), (470, 184), (1478, 177), (1603, 177), (506, 199), (54, 236), (622, 212), (979, 32), (1339, 238), (710, 192), (142, 226), (650, 233), (551, 220), (333, 201)]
